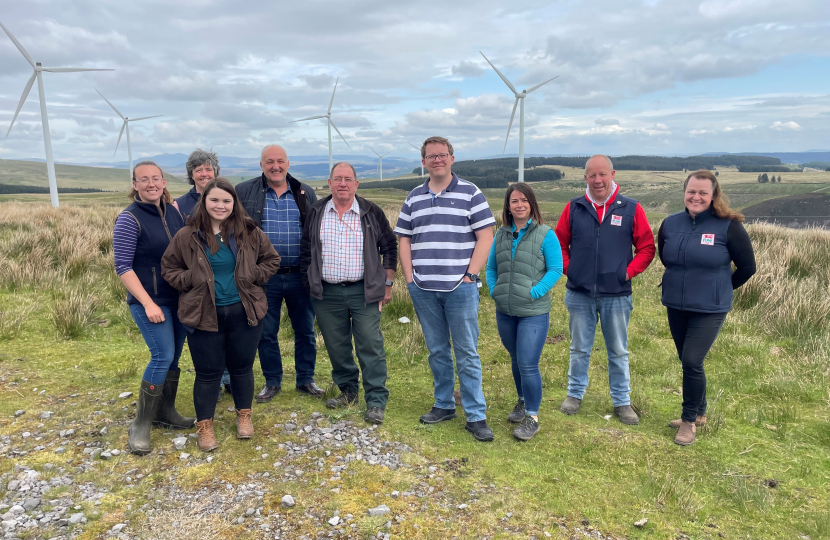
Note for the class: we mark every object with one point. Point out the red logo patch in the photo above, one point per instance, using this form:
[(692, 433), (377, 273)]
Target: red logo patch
[(616, 221), (707, 239)]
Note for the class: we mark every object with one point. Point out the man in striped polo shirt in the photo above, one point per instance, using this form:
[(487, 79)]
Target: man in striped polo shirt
[(446, 229)]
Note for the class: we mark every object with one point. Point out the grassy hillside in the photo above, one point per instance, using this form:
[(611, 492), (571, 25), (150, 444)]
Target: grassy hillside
[(760, 469)]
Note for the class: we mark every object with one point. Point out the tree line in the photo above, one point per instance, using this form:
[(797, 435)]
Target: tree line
[(763, 178), (764, 168), (6, 189), (633, 163)]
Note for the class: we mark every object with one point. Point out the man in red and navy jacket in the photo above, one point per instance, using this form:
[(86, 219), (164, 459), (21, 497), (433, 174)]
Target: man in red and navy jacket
[(598, 232)]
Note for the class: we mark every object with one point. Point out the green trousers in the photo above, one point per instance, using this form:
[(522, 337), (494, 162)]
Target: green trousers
[(341, 314)]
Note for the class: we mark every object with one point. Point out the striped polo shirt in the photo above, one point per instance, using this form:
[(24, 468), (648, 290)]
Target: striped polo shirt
[(442, 230)]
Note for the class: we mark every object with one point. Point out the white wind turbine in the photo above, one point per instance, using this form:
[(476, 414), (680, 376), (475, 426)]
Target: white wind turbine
[(380, 160), (520, 96), (126, 126), (329, 122), (47, 139), (422, 161)]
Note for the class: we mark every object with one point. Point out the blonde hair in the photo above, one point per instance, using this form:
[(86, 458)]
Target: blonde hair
[(165, 195)]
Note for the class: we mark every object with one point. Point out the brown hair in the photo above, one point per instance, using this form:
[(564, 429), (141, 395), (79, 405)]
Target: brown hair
[(535, 213), (720, 202), (435, 140), (238, 223), (165, 195)]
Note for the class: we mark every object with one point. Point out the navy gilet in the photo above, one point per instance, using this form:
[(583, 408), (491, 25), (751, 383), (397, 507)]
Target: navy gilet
[(698, 274), (187, 202), (157, 225), (600, 252)]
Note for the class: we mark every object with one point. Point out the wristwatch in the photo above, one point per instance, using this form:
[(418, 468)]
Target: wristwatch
[(389, 282), (473, 277)]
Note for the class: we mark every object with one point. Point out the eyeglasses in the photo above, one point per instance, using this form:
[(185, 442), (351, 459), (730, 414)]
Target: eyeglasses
[(145, 181), (433, 157), (339, 180)]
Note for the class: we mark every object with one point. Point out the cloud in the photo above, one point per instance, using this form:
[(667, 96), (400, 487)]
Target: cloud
[(607, 122), (785, 126), (467, 69)]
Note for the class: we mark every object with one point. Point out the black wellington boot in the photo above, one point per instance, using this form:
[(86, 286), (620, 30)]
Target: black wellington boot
[(148, 400), (166, 414)]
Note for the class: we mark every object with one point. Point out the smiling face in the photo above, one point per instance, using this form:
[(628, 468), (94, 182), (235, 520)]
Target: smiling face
[(519, 206), (438, 166), (203, 174), (219, 205), (274, 164), (343, 184), (149, 183), (599, 176), (698, 195)]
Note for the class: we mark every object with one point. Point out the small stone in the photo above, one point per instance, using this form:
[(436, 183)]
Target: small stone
[(250, 512), (184, 456), (117, 528), (209, 459), (403, 320), (381, 510), (13, 485), (180, 442), (115, 452), (288, 501), (45, 415), (103, 431), (16, 510), (20, 412), (76, 518), (31, 503), (125, 395), (106, 455), (334, 521), (241, 520), (462, 506), (395, 494), (96, 453), (60, 450), (640, 524)]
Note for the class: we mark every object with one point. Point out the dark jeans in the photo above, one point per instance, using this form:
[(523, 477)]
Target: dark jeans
[(524, 337), (233, 347), (694, 333), (288, 287), (343, 313)]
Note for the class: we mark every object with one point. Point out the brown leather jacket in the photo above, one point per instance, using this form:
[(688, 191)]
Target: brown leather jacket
[(186, 268)]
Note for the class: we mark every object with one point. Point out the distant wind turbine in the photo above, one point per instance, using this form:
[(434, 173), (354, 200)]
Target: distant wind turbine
[(520, 96), (380, 160), (422, 161), (47, 139), (126, 126), (329, 121)]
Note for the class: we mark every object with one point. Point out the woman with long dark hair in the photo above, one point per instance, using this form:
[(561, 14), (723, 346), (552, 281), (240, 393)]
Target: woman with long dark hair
[(698, 246), (524, 264), (141, 235), (219, 262)]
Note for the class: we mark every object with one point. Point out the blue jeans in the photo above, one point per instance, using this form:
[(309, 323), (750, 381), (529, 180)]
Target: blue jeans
[(288, 287), (165, 341), (524, 337), (613, 313), (452, 314)]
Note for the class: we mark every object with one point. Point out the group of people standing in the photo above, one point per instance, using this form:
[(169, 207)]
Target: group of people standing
[(215, 266)]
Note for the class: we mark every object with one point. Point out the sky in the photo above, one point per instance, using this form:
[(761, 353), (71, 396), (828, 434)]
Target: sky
[(670, 77)]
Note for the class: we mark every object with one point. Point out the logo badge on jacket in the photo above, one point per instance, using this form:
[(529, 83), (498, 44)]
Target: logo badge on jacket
[(707, 239), (616, 221)]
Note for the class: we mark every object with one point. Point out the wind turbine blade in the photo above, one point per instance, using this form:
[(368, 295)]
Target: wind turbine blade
[(338, 132), (510, 125), (387, 153), (332, 94), (413, 146), (373, 150), (111, 105), (508, 83), (532, 88), (19, 47), (71, 70), (119, 136), (144, 118), (22, 99), (309, 118)]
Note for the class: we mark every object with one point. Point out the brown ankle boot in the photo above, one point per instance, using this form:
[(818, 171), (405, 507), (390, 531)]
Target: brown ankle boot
[(699, 422), (244, 426), (685, 434), (207, 440)]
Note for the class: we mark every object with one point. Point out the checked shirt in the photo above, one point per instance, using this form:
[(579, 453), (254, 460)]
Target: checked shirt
[(342, 242), (281, 224)]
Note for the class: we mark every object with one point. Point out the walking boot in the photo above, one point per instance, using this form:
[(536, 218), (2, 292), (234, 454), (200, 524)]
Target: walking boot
[(685, 434), (700, 421), (166, 414), (244, 426), (149, 397), (207, 439)]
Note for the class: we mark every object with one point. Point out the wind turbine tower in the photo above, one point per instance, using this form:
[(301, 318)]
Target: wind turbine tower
[(329, 121), (380, 160), (422, 161), (47, 139), (520, 97), (126, 126)]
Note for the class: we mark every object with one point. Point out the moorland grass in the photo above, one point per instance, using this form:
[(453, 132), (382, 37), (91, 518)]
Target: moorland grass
[(64, 329)]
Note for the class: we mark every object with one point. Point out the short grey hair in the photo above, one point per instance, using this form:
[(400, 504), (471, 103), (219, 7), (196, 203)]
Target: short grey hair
[(606, 158), (331, 174), (198, 158)]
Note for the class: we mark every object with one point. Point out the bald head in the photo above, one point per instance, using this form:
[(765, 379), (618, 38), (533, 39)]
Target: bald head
[(601, 158), (599, 174), (274, 164)]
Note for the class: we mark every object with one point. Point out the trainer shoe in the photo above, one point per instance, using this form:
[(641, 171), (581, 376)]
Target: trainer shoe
[(527, 429), (438, 415), (571, 405), (480, 430), (518, 413), (626, 415)]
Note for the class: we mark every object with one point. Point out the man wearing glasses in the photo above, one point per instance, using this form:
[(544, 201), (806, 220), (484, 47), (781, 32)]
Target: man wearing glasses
[(341, 267), (279, 204), (446, 229)]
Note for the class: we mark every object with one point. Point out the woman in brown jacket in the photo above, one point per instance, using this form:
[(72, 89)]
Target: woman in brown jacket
[(219, 263)]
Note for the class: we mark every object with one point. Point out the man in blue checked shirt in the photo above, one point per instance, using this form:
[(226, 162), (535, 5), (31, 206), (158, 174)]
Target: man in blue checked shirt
[(278, 203), (446, 229)]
